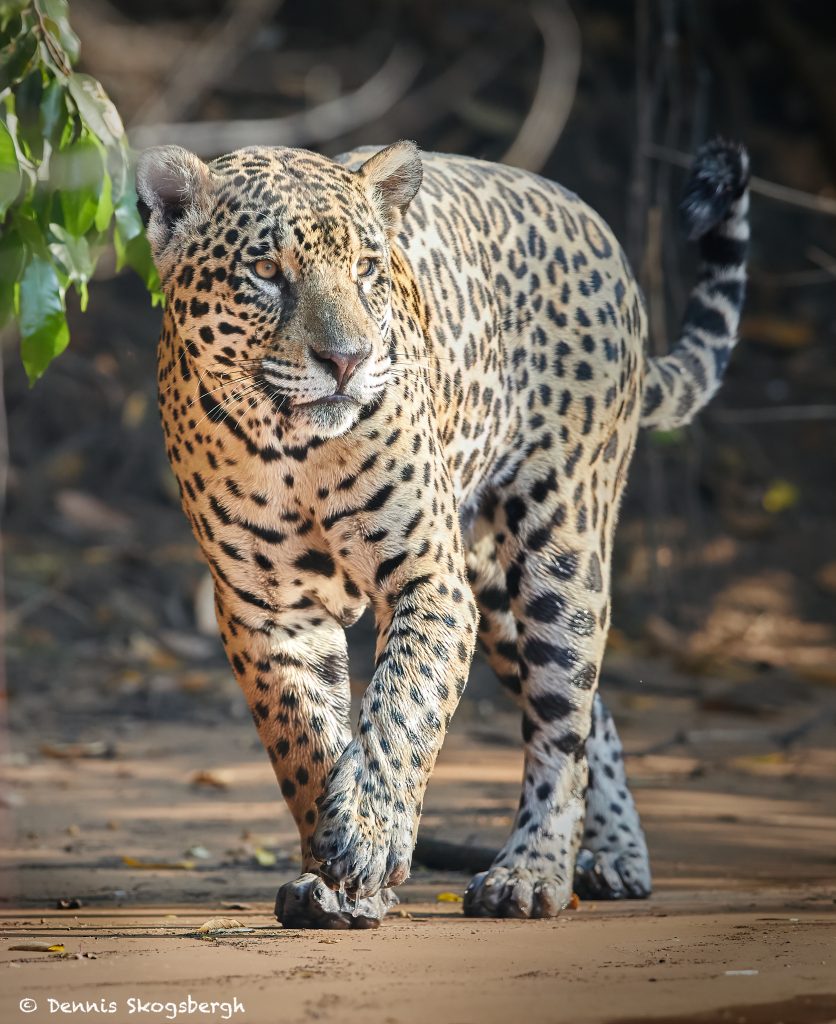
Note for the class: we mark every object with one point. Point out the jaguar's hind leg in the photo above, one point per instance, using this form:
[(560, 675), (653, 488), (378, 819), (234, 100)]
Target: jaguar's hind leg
[(612, 863), (497, 626)]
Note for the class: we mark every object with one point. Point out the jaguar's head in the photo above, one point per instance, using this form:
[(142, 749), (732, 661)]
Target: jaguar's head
[(276, 266)]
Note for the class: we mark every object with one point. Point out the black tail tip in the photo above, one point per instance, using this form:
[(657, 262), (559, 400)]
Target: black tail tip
[(718, 177)]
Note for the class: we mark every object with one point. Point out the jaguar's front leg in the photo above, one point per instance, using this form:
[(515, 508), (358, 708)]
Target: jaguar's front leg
[(369, 814), (293, 671)]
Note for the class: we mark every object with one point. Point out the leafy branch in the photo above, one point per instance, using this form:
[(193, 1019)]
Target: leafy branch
[(66, 191)]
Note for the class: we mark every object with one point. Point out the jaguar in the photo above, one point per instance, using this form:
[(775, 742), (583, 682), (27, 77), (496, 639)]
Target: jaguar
[(413, 382)]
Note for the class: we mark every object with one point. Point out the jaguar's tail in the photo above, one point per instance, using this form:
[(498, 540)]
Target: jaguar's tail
[(714, 211)]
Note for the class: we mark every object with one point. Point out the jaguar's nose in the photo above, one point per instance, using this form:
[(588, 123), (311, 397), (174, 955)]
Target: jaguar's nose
[(340, 364)]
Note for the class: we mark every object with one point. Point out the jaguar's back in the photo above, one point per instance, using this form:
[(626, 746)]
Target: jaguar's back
[(532, 313)]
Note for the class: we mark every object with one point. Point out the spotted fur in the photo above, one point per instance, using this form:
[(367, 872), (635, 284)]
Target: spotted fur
[(430, 409)]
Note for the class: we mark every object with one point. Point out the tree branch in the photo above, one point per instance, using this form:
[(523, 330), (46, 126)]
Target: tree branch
[(769, 189), (555, 93), (319, 124)]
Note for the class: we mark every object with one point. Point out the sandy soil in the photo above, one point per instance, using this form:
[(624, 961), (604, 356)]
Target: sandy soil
[(738, 803)]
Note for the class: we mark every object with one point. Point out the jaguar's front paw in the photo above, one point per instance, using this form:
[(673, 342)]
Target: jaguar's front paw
[(307, 902), (516, 892), (365, 832)]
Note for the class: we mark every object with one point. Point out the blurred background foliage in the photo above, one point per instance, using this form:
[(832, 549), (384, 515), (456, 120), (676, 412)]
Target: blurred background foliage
[(726, 556), (64, 179)]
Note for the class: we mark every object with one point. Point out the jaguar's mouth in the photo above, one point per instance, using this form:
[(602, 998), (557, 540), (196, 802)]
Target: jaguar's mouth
[(337, 398), (329, 415), (285, 403)]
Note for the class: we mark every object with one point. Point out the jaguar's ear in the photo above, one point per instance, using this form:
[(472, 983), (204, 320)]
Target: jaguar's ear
[(171, 185), (393, 176)]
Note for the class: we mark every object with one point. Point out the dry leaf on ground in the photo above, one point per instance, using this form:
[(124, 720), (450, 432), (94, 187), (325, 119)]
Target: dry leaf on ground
[(264, 858), (70, 751), (39, 947), (220, 924), (210, 780), (149, 865), (200, 852)]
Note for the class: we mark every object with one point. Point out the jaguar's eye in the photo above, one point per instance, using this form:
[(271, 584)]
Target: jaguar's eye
[(268, 269), (365, 266)]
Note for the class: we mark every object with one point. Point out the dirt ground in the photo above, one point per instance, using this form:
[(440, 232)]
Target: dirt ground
[(130, 739), (736, 795)]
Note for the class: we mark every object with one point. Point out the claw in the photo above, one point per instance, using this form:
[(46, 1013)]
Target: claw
[(613, 875), (515, 892), (307, 902)]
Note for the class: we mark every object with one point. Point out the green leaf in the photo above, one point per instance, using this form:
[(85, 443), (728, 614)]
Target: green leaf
[(96, 109), (668, 438), (119, 170), (10, 21), (17, 55), (43, 324), (77, 175), (57, 22), (79, 210), (28, 99), (132, 249), (12, 258), (83, 295), (9, 8), (73, 253), (780, 495), (104, 211), (75, 257), (64, 179), (10, 176), (30, 231), (136, 254), (53, 112), (7, 301), (127, 216)]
